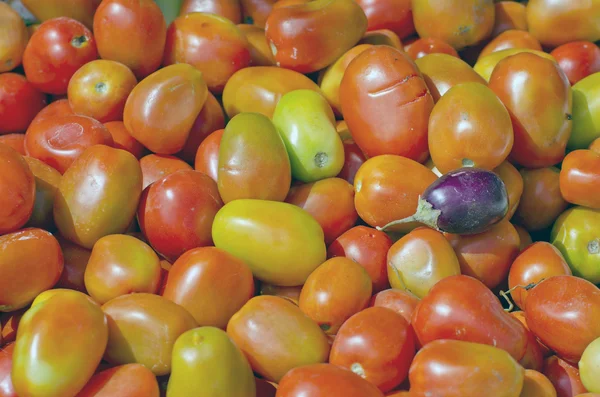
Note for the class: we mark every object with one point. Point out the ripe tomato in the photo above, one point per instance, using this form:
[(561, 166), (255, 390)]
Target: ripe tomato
[(47, 180), (514, 186), (256, 11), (17, 184), (429, 45), (157, 166), (230, 9), (509, 15), (10, 325), (524, 236), (393, 15), (578, 59), (486, 65), (20, 102), (129, 380), (511, 39), (588, 366), (564, 377), (6, 358), (55, 109), (15, 141), (537, 384), (80, 10), (353, 156), (260, 51), (54, 53), (207, 156), (402, 302), (123, 139), (382, 37), (13, 38), (536, 351), (76, 259), (580, 178)]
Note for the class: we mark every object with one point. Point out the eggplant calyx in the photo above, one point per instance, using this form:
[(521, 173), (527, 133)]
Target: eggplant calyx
[(424, 214)]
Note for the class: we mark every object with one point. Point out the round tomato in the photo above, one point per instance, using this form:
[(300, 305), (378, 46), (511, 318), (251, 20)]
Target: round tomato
[(13, 38), (430, 45), (17, 184), (230, 9), (207, 156), (578, 59), (580, 178), (511, 39), (20, 102), (509, 15)]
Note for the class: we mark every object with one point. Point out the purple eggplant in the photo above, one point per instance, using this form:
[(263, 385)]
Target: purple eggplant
[(464, 201)]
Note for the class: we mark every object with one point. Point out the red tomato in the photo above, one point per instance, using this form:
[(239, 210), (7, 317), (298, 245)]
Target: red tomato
[(158, 166), (6, 357), (393, 15), (76, 259), (564, 377), (230, 9), (402, 302), (54, 53), (47, 180), (580, 178), (56, 108), (123, 139), (20, 101), (353, 156), (17, 185), (511, 39), (578, 59), (207, 156), (429, 45), (129, 380)]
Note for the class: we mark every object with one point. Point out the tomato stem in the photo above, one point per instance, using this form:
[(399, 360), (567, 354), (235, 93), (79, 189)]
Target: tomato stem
[(527, 287)]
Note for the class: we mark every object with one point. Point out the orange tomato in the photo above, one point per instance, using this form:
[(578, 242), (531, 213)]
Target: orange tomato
[(393, 15), (256, 11), (17, 184), (13, 38), (230, 9), (10, 325), (129, 380), (15, 141), (578, 59), (123, 139), (157, 166), (207, 156), (595, 146), (536, 384), (402, 302), (514, 186), (76, 259), (382, 37), (6, 357), (524, 235), (580, 178), (511, 39), (430, 45), (509, 15), (47, 180), (535, 351), (80, 10), (20, 102)]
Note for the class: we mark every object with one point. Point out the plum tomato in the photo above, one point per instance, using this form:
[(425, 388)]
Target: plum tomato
[(536, 384), (76, 259), (564, 377), (586, 113), (486, 65), (257, 11), (260, 51), (15, 141), (20, 102), (580, 178), (17, 184), (382, 37), (80, 10)]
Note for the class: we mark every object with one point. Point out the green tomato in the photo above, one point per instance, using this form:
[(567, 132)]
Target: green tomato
[(589, 367), (576, 234), (586, 112), (307, 125)]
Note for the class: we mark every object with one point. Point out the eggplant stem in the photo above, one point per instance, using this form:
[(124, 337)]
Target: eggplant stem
[(424, 214), (527, 287)]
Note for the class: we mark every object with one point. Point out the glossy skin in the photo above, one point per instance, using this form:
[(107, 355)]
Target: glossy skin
[(163, 124), (230, 9), (417, 261), (458, 369), (354, 158), (211, 284), (469, 126), (15, 141), (6, 387), (17, 183), (509, 15), (335, 291), (580, 178), (141, 23), (100, 88), (123, 140), (143, 329), (311, 36), (386, 104), (578, 59), (330, 201), (260, 52), (98, 195), (76, 259), (129, 380), (80, 10), (57, 108), (564, 377), (209, 42), (14, 37), (47, 180), (382, 37), (253, 160), (393, 15), (157, 166), (536, 351), (463, 308), (44, 365), (259, 89), (20, 101), (257, 11), (576, 235), (487, 256), (513, 182), (586, 113), (430, 45), (54, 53), (539, 261), (176, 212), (524, 235), (541, 202), (395, 180), (588, 366), (276, 336), (402, 302), (511, 39), (207, 156), (458, 24), (31, 262), (365, 346), (486, 65)]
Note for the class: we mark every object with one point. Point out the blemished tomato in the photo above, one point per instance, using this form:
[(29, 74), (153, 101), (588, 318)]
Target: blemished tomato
[(536, 384), (47, 180), (211, 284), (211, 43), (76, 259), (393, 15), (67, 362), (142, 328), (157, 166), (122, 139), (141, 24), (260, 51), (20, 102), (420, 259), (176, 212), (54, 53), (163, 124), (230, 9), (80, 10), (386, 103), (402, 302), (455, 368), (17, 184), (564, 377), (365, 346), (430, 45), (207, 156), (580, 178), (539, 261), (15, 141), (6, 356), (100, 88), (511, 39), (129, 380), (588, 366), (463, 308), (276, 336), (325, 380), (509, 15), (98, 195), (578, 59), (13, 38), (335, 291)]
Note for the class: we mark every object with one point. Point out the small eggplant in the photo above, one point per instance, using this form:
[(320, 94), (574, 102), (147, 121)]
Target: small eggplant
[(464, 201)]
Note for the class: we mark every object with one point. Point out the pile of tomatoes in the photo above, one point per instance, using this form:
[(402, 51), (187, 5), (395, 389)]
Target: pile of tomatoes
[(299, 198)]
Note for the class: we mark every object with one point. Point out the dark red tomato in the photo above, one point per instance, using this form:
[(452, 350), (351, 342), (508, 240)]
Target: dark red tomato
[(368, 247), (578, 59), (402, 302), (207, 156), (15, 141), (20, 101), (59, 141), (6, 358), (17, 184), (123, 139), (564, 377), (54, 53), (176, 213), (389, 14), (158, 166), (430, 45)]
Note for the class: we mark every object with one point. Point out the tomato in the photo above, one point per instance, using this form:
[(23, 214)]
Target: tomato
[(586, 112), (230, 9), (142, 328), (253, 161), (176, 212), (485, 65), (354, 158), (514, 186), (157, 166), (382, 37), (394, 180), (459, 369), (17, 184), (536, 384), (463, 308), (98, 195), (420, 259), (524, 236), (511, 39), (442, 72), (76, 259), (10, 325), (15, 141), (54, 53), (47, 180), (535, 352), (129, 380), (541, 202), (325, 380), (123, 139), (588, 366), (211, 284), (539, 261), (393, 15), (100, 88), (430, 45), (402, 302), (256, 11), (509, 15), (459, 24), (20, 101), (469, 126), (308, 37), (386, 103), (259, 89), (276, 336), (564, 377), (6, 356), (207, 156), (578, 59), (559, 312), (58, 108), (209, 42), (260, 51), (140, 23), (80, 10), (163, 124), (68, 361), (13, 38), (580, 177), (576, 234), (594, 146)]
